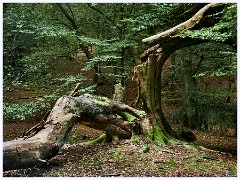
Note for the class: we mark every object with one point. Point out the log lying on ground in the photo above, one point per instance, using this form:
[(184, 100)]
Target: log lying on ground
[(44, 141)]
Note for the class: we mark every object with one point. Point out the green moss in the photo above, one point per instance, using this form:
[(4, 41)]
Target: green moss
[(129, 117), (134, 139), (144, 149), (98, 165), (118, 116), (145, 162), (101, 102), (158, 148), (57, 175), (193, 146), (169, 163), (189, 156), (141, 113), (160, 170), (233, 171), (115, 152), (159, 136), (148, 136), (95, 141)]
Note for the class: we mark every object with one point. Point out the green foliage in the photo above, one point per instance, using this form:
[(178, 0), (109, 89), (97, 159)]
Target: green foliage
[(208, 62), (110, 60), (74, 137), (69, 82), (21, 110), (144, 149), (214, 111), (134, 138), (224, 30)]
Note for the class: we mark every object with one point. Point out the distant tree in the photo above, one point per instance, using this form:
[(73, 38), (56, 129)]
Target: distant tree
[(195, 64)]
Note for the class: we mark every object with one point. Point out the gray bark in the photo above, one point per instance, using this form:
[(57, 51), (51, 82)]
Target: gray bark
[(43, 142)]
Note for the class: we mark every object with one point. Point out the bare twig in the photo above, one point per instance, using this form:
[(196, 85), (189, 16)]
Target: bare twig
[(73, 93)]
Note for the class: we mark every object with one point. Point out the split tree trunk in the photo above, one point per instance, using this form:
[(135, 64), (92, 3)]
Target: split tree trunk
[(149, 72), (44, 141)]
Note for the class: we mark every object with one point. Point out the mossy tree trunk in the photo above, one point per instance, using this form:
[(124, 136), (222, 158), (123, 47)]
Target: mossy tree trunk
[(43, 141), (148, 73)]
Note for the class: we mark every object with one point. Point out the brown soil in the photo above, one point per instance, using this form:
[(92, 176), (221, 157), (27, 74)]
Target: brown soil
[(123, 158)]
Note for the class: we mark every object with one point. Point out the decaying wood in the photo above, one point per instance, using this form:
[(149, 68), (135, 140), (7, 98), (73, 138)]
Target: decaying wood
[(146, 53), (119, 92), (74, 92), (44, 141)]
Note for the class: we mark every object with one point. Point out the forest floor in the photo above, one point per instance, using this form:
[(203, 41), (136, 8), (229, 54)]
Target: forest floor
[(123, 158)]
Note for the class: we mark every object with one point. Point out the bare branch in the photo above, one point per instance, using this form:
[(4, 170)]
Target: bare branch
[(195, 20)]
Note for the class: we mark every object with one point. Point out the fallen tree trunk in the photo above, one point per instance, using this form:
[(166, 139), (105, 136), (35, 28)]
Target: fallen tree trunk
[(43, 142)]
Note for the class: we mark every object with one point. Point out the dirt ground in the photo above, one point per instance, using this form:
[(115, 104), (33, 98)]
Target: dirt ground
[(123, 158)]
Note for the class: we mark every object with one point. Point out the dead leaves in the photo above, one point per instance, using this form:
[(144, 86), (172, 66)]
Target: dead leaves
[(123, 159)]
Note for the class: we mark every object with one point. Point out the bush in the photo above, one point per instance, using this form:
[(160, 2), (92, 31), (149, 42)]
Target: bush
[(22, 110)]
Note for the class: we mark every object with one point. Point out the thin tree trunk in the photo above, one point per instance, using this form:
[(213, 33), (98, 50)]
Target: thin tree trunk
[(189, 95)]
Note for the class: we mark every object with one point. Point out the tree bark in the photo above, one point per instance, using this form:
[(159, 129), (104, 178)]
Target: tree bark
[(192, 119), (44, 141), (149, 72)]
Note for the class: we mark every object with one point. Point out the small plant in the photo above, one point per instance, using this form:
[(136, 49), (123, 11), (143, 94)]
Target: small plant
[(57, 174), (73, 138), (144, 149), (98, 165), (145, 162), (134, 139)]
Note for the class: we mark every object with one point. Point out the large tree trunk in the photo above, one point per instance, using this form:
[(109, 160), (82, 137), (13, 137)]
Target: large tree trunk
[(43, 142), (149, 72)]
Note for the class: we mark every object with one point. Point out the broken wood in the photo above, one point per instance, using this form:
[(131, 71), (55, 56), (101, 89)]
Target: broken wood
[(43, 142)]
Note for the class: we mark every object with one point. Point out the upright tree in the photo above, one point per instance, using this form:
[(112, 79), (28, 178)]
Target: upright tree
[(162, 46)]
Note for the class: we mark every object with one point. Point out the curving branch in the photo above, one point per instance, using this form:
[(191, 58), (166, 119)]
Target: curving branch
[(189, 24)]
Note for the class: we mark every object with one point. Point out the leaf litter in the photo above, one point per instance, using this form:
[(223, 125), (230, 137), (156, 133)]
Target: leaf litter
[(123, 159)]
